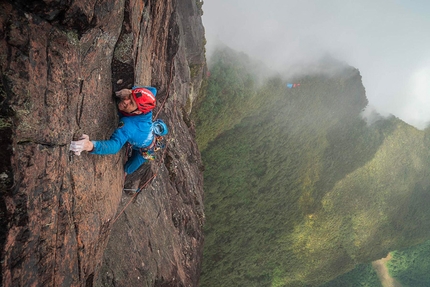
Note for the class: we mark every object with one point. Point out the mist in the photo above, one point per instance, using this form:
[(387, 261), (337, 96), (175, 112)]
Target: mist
[(388, 41)]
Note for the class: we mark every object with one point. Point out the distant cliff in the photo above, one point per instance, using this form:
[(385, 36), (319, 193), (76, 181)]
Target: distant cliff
[(60, 64)]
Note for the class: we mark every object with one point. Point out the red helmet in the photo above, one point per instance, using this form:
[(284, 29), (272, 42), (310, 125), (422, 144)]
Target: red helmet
[(145, 101)]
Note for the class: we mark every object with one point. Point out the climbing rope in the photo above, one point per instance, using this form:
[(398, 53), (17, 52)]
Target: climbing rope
[(134, 196), (141, 187)]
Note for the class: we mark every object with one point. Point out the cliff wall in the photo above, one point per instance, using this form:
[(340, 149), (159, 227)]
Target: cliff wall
[(61, 214)]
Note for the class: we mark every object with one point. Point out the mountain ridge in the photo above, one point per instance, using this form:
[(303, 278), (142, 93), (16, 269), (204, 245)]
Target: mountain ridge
[(284, 202)]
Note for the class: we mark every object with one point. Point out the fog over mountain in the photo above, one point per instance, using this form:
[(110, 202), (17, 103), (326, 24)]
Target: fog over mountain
[(386, 40)]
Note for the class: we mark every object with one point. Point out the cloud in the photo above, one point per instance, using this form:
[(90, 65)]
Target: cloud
[(418, 109), (387, 40)]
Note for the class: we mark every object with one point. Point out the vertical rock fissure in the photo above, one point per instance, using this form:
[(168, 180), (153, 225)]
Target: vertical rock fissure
[(54, 267), (73, 223), (76, 227), (80, 109), (5, 168), (122, 66)]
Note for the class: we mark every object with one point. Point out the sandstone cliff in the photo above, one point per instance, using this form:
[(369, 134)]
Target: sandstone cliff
[(60, 63)]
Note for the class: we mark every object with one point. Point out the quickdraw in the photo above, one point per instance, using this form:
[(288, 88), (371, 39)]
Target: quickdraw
[(149, 152)]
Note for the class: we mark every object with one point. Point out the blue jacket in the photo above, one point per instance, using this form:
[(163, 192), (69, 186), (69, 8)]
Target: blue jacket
[(137, 130)]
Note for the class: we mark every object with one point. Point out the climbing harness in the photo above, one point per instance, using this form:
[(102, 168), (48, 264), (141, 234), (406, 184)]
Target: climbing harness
[(157, 144), (149, 152)]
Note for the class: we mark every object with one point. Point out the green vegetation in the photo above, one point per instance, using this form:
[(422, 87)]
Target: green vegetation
[(230, 95), (411, 266), (362, 276), (5, 123), (200, 6), (298, 188)]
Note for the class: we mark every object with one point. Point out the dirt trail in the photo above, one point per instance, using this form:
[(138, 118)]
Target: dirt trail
[(382, 271)]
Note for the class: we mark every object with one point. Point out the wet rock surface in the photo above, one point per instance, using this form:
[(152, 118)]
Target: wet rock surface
[(62, 216)]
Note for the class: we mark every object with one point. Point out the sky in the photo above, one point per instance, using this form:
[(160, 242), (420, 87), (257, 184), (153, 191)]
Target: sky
[(387, 40)]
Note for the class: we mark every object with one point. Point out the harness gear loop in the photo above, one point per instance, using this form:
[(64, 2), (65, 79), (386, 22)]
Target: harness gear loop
[(157, 144)]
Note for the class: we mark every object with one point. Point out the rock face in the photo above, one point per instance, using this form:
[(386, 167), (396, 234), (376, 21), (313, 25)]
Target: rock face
[(61, 219)]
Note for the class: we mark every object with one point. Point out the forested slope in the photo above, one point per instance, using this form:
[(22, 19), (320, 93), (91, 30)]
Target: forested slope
[(299, 189)]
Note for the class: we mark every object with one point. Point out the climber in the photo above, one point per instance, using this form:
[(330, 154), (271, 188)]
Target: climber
[(135, 127)]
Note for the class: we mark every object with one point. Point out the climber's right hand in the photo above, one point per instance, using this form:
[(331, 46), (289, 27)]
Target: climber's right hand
[(83, 144)]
